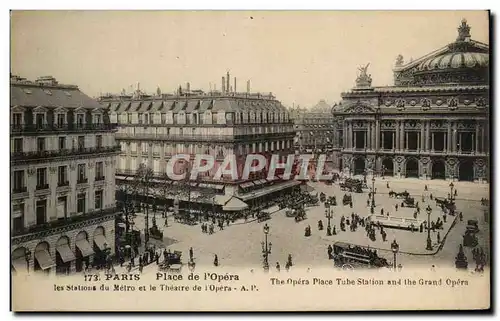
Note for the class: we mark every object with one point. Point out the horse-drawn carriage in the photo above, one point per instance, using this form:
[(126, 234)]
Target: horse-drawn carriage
[(352, 185), (172, 262), (403, 195), (470, 237), (263, 216), (300, 215), (332, 200), (347, 199), (322, 197), (348, 257), (409, 202), (446, 203), (312, 200)]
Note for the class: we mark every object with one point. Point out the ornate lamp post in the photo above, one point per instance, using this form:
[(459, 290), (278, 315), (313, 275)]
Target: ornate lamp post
[(266, 248), (27, 256), (429, 241), (328, 215), (451, 191), (373, 191), (395, 250)]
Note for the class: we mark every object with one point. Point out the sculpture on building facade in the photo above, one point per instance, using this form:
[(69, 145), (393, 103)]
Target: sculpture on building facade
[(399, 60), (363, 79)]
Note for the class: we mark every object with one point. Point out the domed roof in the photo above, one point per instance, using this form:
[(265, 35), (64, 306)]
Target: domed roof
[(455, 60)]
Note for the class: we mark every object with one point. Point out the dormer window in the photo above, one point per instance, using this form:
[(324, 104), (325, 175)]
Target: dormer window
[(61, 119), (40, 120), (97, 119), (80, 120), (17, 119)]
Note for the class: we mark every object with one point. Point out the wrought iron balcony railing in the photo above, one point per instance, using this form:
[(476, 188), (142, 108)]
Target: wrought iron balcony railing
[(82, 181), (60, 223), (22, 189), (63, 152), (99, 178), (42, 187), (203, 138), (34, 129), (63, 183)]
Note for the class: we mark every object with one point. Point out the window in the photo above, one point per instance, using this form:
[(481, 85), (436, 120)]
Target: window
[(18, 145), (151, 118), (98, 200), (97, 119), (41, 178), (40, 120), (62, 207), (80, 119), (41, 210), (146, 119), (18, 222), (17, 119), (129, 118), (62, 142), (175, 118), (80, 203), (62, 176), (98, 141), (139, 116), (18, 181), (81, 173), (61, 119), (163, 118), (99, 171), (168, 131), (81, 142)]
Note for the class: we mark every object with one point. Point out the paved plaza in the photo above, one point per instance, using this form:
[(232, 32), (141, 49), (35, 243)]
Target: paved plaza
[(239, 244)]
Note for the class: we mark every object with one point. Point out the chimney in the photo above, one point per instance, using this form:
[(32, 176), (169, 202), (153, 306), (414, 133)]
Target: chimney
[(209, 86), (223, 88), (227, 80), (235, 85), (248, 86), (188, 87)]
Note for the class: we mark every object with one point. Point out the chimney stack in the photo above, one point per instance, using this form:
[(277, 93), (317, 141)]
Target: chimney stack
[(248, 86), (223, 85), (227, 80), (188, 87), (235, 85)]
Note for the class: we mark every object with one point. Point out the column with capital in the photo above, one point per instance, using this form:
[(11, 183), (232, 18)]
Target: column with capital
[(369, 134), (396, 146), (418, 142), (377, 134), (432, 144), (365, 133), (448, 140), (421, 145), (406, 146), (402, 135), (393, 146), (454, 137), (427, 135), (477, 138), (459, 142)]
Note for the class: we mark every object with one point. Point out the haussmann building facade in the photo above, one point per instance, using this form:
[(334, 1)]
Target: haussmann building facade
[(432, 124), (62, 178)]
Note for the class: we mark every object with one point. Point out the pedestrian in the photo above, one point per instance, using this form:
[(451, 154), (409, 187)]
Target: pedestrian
[(216, 260), (439, 237), (400, 267), (278, 266), (461, 217), (396, 207), (425, 188), (190, 253), (140, 268)]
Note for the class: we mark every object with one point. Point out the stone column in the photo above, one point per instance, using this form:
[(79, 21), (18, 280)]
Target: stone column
[(377, 134), (393, 146), (427, 135), (397, 136), (421, 144), (459, 143), (418, 142), (406, 146), (402, 135), (454, 137), (354, 139), (448, 140), (477, 139), (369, 136), (366, 139), (432, 145), (383, 139)]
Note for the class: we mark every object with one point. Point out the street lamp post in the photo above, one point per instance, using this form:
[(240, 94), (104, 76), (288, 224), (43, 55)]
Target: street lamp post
[(395, 250), (328, 215), (27, 256), (373, 191), (451, 191), (266, 248), (429, 241)]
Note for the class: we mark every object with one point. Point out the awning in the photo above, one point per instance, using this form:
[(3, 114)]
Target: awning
[(219, 187), (194, 184), (221, 199), (257, 182), (205, 185), (99, 240), (246, 185), (20, 265), (235, 204), (306, 188), (84, 247), (44, 259), (263, 181), (269, 189), (66, 253)]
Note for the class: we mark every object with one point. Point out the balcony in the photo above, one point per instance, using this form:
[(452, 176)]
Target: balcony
[(42, 187), (22, 189), (63, 183), (55, 128), (68, 222), (99, 178), (82, 181), (22, 157), (205, 138)]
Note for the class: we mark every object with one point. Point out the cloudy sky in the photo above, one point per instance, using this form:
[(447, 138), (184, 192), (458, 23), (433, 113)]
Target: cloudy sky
[(301, 57)]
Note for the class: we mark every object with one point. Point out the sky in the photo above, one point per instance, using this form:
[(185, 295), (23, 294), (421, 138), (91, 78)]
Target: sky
[(299, 56)]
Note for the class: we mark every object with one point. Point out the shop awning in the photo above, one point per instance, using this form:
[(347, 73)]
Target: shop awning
[(246, 185), (219, 187), (269, 189), (44, 259), (100, 240), (20, 265), (306, 188), (84, 247), (235, 204), (205, 185), (221, 199), (65, 253), (257, 182)]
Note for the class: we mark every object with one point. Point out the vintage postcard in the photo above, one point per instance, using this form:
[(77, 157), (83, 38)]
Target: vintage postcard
[(250, 160)]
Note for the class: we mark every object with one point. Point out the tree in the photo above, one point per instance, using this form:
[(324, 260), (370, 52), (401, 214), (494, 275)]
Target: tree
[(143, 183)]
